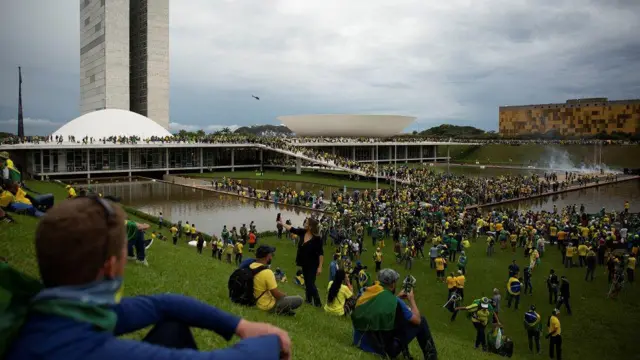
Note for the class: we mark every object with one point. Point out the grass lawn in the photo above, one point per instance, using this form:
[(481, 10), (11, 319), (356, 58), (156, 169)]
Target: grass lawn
[(616, 156), (599, 328), (313, 177)]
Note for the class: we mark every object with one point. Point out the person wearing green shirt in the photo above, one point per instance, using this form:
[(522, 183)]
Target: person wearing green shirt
[(462, 263), (135, 239), (453, 248)]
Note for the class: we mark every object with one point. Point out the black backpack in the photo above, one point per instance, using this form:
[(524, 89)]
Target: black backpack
[(241, 285)]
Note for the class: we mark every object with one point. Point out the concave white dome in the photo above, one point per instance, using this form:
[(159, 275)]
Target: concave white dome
[(111, 122)]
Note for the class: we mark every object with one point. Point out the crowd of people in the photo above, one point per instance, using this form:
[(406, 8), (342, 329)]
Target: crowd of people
[(82, 281)]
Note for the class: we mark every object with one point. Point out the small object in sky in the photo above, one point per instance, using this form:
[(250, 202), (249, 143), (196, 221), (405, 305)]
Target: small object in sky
[(255, 97)]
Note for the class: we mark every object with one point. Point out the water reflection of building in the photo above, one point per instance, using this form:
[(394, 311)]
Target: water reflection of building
[(574, 117)]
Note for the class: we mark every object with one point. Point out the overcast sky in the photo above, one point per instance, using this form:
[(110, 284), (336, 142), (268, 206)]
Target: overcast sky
[(452, 61)]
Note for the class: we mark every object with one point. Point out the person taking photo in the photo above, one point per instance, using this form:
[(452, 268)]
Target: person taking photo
[(309, 257)]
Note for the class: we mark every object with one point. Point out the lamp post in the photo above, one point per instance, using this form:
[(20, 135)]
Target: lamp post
[(395, 167)]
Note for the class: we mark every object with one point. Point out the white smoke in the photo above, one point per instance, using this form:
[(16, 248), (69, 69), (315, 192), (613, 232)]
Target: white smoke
[(558, 159)]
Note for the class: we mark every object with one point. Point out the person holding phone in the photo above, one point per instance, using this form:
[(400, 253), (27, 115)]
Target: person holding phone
[(310, 256)]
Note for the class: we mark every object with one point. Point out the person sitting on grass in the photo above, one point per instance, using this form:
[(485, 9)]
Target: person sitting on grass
[(383, 324), (265, 287), (78, 311), (340, 299)]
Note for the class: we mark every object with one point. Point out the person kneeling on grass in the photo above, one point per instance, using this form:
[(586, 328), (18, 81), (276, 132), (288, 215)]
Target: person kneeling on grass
[(77, 312), (383, 324), (265, 287)]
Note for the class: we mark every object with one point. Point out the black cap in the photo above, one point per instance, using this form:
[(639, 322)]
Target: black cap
[(264, 250)]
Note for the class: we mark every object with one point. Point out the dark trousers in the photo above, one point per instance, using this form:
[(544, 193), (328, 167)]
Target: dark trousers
[(510, 298), (528, 286), (590, 272), (564, 301), (630, 275), (420, 332), (452, 255), (172, 335), (378, 265), (582, 260), (432, 263), (553, 295), (42, 202), (199, 248), (555, 343), (175, 239), (238, 259), (481, 338), (138, 244), (310, 289), (534, 336)]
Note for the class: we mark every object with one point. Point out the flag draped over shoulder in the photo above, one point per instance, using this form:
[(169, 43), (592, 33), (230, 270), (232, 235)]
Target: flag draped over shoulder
[(375, 310)]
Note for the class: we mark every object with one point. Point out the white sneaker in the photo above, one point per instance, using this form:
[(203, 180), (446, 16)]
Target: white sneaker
[(143, 262), (131, 257)]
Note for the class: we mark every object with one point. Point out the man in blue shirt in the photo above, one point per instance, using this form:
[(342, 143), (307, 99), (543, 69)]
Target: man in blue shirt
[(78, 312), (383, 323)]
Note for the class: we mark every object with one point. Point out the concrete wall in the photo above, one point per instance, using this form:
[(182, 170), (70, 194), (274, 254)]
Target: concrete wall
[(117, 54), (584, 118), (158, 61), (92, 56)]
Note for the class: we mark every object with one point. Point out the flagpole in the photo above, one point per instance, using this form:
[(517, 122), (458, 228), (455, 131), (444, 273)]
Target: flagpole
[(395, 167), (377, 174), (20, 115)]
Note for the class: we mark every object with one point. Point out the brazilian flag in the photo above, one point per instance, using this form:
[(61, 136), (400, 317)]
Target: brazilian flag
[(375, 310)]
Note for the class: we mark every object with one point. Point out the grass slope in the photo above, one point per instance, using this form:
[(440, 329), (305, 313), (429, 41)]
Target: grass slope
[(599, 328), (615, 156), (313, 177)]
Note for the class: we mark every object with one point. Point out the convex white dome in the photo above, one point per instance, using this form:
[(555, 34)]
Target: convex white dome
[(111, 122)]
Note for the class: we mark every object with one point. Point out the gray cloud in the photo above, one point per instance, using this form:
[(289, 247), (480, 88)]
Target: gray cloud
[(453, 61)]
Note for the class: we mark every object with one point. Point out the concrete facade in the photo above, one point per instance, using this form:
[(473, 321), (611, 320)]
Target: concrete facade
[(104, 55), (576, 117), (124, 57), (158, 61)]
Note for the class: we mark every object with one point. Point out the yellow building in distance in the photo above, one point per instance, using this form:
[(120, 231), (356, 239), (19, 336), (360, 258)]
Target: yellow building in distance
[(580, 117)]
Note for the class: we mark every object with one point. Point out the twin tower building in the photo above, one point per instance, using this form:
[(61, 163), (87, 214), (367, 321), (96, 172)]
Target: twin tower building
[(124, 57)]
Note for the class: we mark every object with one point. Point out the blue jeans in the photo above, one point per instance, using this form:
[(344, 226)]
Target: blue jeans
[(420, 332), (22, 207), (138, 244)]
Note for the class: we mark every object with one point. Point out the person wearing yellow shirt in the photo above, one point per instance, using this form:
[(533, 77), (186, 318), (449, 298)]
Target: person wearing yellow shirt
[(569, 252), (237, 249), (553, 234), (631, 268), (174, 234), (451, 285), (193, 231), (377, 258), (340, 301), (582, 253), (460, 279), (555, 331), (71, 192), (265, 287), (513, 291), (440, 265)]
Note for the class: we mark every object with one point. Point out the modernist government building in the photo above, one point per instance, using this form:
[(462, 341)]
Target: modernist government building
[(577, 117), (124, 83)]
